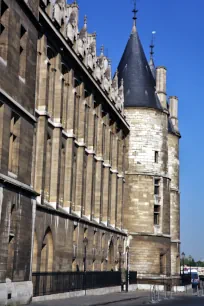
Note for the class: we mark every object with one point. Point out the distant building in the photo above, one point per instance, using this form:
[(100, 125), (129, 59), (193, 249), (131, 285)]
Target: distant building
[(82, 155)]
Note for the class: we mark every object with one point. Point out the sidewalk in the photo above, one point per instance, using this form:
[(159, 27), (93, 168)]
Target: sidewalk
[(140, 298)]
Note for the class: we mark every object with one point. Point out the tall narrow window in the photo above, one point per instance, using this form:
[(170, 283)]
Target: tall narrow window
[(95, 131), (4, 23), (156, 214), (48, 167), (62, 173), (23, 51), (111, 147), (86, 124), (156, 157), (156, 187), (14, 143), (103, 140)]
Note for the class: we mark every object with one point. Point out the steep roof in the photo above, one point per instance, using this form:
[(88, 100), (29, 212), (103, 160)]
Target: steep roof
[(139, 83)]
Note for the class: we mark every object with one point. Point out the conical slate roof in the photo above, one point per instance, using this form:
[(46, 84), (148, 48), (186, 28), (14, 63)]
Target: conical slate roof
[(139, 83)]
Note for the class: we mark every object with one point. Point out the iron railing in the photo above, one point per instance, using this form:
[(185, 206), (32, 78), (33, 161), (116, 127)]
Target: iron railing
[(46, 283), (132, 278)]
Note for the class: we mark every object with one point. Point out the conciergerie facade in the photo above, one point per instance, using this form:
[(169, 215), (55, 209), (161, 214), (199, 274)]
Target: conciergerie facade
[(82, 155)]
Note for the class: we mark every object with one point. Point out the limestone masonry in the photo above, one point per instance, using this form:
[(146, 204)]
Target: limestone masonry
[(82, 155)]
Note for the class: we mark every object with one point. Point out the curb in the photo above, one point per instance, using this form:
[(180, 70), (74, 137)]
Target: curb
[(119, 301)]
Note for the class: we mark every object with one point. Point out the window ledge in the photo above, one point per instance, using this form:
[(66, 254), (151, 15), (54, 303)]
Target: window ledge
[(13, 175), (22, 79), (4, 62)]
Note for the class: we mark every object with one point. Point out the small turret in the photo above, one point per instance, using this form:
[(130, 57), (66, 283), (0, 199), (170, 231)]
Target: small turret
[(173, 109), (161, 85)]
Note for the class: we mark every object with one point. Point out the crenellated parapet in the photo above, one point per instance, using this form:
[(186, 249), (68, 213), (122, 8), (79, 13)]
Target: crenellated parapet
[(66, 18)]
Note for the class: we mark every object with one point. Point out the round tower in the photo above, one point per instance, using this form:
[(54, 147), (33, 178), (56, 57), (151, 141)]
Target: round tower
[(147, 200)]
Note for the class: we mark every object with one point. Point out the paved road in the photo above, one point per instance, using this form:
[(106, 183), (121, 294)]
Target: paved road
[(188, 301)]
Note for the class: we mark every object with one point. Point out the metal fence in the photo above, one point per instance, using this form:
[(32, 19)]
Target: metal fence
[(46, 283), (132, 278)]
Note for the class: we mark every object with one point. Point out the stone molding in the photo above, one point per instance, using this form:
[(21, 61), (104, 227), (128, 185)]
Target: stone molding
[(18, 106)]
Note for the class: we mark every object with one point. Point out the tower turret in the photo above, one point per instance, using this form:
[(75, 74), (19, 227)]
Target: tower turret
[(173, 109), (161, 85)]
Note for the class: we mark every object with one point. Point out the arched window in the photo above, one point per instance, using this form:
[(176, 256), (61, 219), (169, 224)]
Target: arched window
[(46, 264), (111, 263)]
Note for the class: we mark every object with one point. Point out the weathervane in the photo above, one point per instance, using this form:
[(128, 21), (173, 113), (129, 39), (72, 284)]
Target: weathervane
[(152, 44), (135, 11)]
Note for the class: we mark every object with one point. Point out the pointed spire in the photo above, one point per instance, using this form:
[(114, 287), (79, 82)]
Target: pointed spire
[(134, 29), (151, 62)]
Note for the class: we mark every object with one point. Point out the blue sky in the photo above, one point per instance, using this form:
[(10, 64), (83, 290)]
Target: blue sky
[(180, 47)]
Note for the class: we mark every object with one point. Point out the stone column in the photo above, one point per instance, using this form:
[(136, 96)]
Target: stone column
[(98, 169), (68, 183), (55, 166), (43, 75), (90, 161), (114, 173), (120, 184), (173, 105), (80, 154), (106, 172), (41, 137)]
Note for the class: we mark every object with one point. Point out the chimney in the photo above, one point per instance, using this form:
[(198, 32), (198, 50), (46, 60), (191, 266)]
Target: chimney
[(161, 85), (173, 109)]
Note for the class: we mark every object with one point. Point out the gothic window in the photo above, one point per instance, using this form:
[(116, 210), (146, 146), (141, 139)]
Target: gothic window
[(111, 148), (47, 252), (74, 167), (103, 140), (62, 173), (14, 143), (95, 131), (4, 24), (22, 51), (86, 124), (84, 182), (48, 166), (111, 263)]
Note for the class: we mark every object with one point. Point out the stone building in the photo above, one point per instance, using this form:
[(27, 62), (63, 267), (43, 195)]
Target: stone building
[(151, 211), (79, 147), (18, 51), (82, 155)]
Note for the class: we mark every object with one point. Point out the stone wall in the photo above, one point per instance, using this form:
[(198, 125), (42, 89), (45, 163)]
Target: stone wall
[(173, 145), (148, 135), (18, 45)]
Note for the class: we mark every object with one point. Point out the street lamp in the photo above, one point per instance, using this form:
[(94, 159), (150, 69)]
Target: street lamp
[(120, 255), (190, 262), (121, 276), (127, 271), (85, 242), (183, 260)]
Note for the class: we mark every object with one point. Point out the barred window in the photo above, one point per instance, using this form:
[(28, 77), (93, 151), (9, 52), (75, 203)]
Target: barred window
[(156, 214)]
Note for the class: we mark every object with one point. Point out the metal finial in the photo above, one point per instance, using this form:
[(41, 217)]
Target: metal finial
[(152, 44), (102, 49), (134, 30), (135, 11), (85, 20)]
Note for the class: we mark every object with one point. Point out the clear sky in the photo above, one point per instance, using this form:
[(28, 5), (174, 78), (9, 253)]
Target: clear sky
[(180, 47)]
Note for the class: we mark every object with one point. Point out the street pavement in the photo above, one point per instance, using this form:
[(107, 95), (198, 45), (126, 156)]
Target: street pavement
[(123, 299)]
